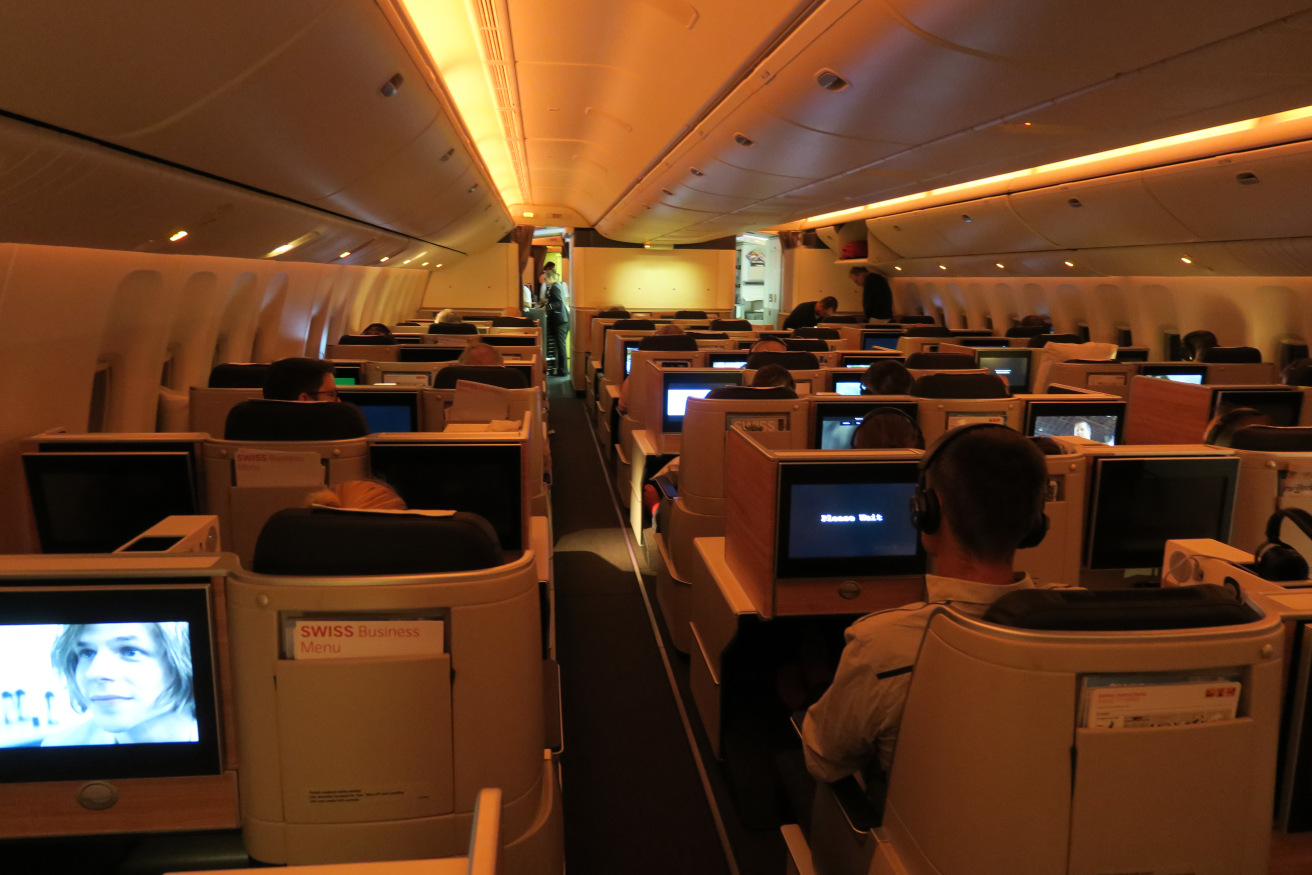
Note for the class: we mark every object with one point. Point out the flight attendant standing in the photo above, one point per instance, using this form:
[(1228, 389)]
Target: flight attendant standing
[(553, 301)]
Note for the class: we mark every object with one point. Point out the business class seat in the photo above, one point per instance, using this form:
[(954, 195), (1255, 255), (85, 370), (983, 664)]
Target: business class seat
[(697, 507), (995, 773), (690, 314), (402, 725), (983, 385), (261, 419), (513, 322), (793, 360), (668, 343), (634, 325), (1027, 330), (730, 325), (493, 375), (452, 328), (940, 361), (1230, 355), (806, 344), (1273, 439), (818, 332)]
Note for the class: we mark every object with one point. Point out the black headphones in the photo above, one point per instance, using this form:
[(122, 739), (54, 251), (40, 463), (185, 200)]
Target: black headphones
[(927, 512), (895, 412), (1276, 560)]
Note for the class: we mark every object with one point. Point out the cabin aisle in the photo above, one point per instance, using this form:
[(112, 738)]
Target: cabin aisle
[(633, 799)]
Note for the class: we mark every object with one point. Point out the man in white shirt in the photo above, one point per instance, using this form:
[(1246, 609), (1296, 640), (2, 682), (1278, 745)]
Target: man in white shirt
[(980, 497)]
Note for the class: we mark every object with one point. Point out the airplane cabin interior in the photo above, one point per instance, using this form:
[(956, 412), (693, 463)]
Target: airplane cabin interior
[(622, 341)]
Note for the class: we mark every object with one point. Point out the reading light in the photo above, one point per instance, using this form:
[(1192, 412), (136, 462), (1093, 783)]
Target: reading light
[(966, 218), (743, 140), (830, 81), (177, 236), (438, 266), (1069, 263), (384, 258), (695, 171), (999, 265), (897, 267), (407, 261), (942, 267), (279, 250), (527, 215), (424, 264), (390, 86), (1186, 259), (344, 254)]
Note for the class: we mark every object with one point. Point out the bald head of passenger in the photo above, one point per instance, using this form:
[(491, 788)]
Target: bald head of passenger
[(481, 355), (769, 344)]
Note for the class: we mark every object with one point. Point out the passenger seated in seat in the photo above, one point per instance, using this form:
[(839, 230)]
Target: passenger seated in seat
[(886, 378), (980, 497), (482, 355), (378, 329), (1221, 430), (1195, 342), (769, 344), (772, 377), (300, 379), (665, 330), (1297, 373)]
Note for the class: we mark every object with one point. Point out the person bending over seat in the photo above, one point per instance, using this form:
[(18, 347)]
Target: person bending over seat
[(300, 379), (979, 498), (876, 295), (482, 355), (809, 313)]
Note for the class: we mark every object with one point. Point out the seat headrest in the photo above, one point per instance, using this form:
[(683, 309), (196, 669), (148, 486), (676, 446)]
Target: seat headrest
[(752, 393), (806, 344), (669, 343), (493, 375), (260, 419), (1273, 438), (822, 333), (730, 325), (1121, 610), (512, 322), (365, 340), (940, 361), (238, 376), (634, 325), (1040, 340), (1028, 330), (613, 313), (927, 331), (959, 386), (452, 328), (844, 319), (708, 335), (793, 361), (1231, 355), (690, 314), (332, 543), (915, 320)]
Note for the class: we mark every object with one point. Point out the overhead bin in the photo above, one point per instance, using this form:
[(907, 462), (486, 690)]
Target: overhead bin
[(1112, 211), (1263, 193)]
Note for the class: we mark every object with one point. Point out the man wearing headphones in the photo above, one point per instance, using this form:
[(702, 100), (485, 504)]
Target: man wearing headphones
[(980, 497)]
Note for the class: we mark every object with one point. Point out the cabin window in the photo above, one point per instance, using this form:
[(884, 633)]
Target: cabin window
[(101, 384)]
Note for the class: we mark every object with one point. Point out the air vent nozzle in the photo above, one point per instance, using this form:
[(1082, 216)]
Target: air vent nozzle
[(830, 81)]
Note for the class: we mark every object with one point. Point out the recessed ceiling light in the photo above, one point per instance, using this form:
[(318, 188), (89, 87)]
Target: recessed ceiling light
[(527, 215), (286, 247), (1000, 265), (384, 258), (177, 236), (942, 267), (344, 254), (424, 264), (1186, 259), (439, 265), (1069, 263), (407, 261), (695, 172), (897, 267)]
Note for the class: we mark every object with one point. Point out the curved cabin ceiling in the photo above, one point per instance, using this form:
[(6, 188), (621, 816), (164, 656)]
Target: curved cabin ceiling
[(607, 108)]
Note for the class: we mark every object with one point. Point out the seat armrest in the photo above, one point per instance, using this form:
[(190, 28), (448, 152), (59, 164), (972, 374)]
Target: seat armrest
[(860, 813)]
